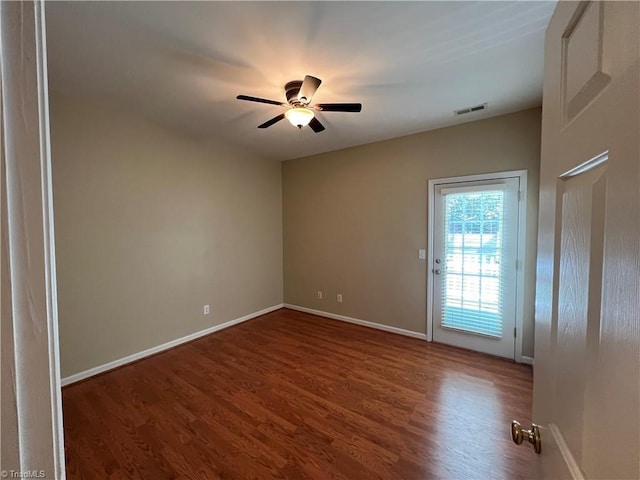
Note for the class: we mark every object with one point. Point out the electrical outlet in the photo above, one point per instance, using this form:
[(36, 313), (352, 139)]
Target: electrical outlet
[(319, 295), (206, 310), (339, 298), (422, 254)]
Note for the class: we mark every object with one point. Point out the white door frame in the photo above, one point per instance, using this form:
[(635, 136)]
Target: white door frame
[(32, 437), (522, 223)]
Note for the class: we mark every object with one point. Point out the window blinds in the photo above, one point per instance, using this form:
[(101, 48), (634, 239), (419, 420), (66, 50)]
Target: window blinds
[(473, 279)]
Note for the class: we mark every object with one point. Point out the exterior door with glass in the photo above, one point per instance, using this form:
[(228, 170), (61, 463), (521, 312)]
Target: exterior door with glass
[(475, 249)]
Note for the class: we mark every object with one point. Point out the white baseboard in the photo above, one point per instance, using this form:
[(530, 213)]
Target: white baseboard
[(357, 321), (526, 360), (165, 346)]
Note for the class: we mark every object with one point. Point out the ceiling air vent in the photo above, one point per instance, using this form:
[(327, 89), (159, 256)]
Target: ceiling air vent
[(477, 108)]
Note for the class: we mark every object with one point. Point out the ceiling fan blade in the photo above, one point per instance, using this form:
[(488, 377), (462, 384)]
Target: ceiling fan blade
[(308, 88), (315, 125), (339, 107), (260, 100), (268, 123)]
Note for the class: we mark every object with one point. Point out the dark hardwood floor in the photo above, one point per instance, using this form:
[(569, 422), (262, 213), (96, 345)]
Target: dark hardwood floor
[(292, 395)]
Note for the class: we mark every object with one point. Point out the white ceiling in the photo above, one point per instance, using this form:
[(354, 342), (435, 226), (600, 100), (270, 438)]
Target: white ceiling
[(409, 63)]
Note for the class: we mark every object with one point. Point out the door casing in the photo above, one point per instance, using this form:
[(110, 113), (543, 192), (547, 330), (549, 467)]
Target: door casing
[(32, 438)]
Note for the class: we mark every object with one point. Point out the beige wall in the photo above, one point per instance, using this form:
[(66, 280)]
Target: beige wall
[(354, 219), (151, 226)]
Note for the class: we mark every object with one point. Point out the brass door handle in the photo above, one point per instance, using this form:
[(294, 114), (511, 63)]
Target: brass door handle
[(519, 434)]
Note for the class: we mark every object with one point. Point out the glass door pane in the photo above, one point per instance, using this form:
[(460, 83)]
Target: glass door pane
[(472, 293)]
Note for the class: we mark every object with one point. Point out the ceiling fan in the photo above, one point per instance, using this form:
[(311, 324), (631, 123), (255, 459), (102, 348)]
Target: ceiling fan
[(299, 94)]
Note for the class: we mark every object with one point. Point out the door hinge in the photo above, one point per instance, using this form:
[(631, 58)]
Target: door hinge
[(515, 332), (519, 195)]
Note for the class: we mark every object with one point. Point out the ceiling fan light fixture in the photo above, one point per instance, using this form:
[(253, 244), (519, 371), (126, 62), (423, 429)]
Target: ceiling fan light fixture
[(299, 116), (299, 113)]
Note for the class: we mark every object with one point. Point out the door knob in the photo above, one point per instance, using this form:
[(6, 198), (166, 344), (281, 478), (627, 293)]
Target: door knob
[(519, 434), (437, 271)]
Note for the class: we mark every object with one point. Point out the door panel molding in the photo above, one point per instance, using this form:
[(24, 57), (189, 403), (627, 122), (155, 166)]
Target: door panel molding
[(583, 75), (567, 456), (586, 166)]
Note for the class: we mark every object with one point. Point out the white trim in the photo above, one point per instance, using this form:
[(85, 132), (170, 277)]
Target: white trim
[(49, 246), (479, 177), (29, 250), (526, 360), (357, 321), (431, 211), (165, 346), (569, 461), (522, 229), (522, 250)]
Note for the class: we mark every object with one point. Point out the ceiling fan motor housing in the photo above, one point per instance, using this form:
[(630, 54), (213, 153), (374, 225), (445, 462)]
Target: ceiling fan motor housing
[(291, 90)]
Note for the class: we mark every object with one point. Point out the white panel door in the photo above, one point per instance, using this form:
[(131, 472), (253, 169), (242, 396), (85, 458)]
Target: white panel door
[(587, 346), (475, 246)]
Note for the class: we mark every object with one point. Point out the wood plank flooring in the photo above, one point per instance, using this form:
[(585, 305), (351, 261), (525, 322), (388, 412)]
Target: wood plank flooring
[(296, 396)]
